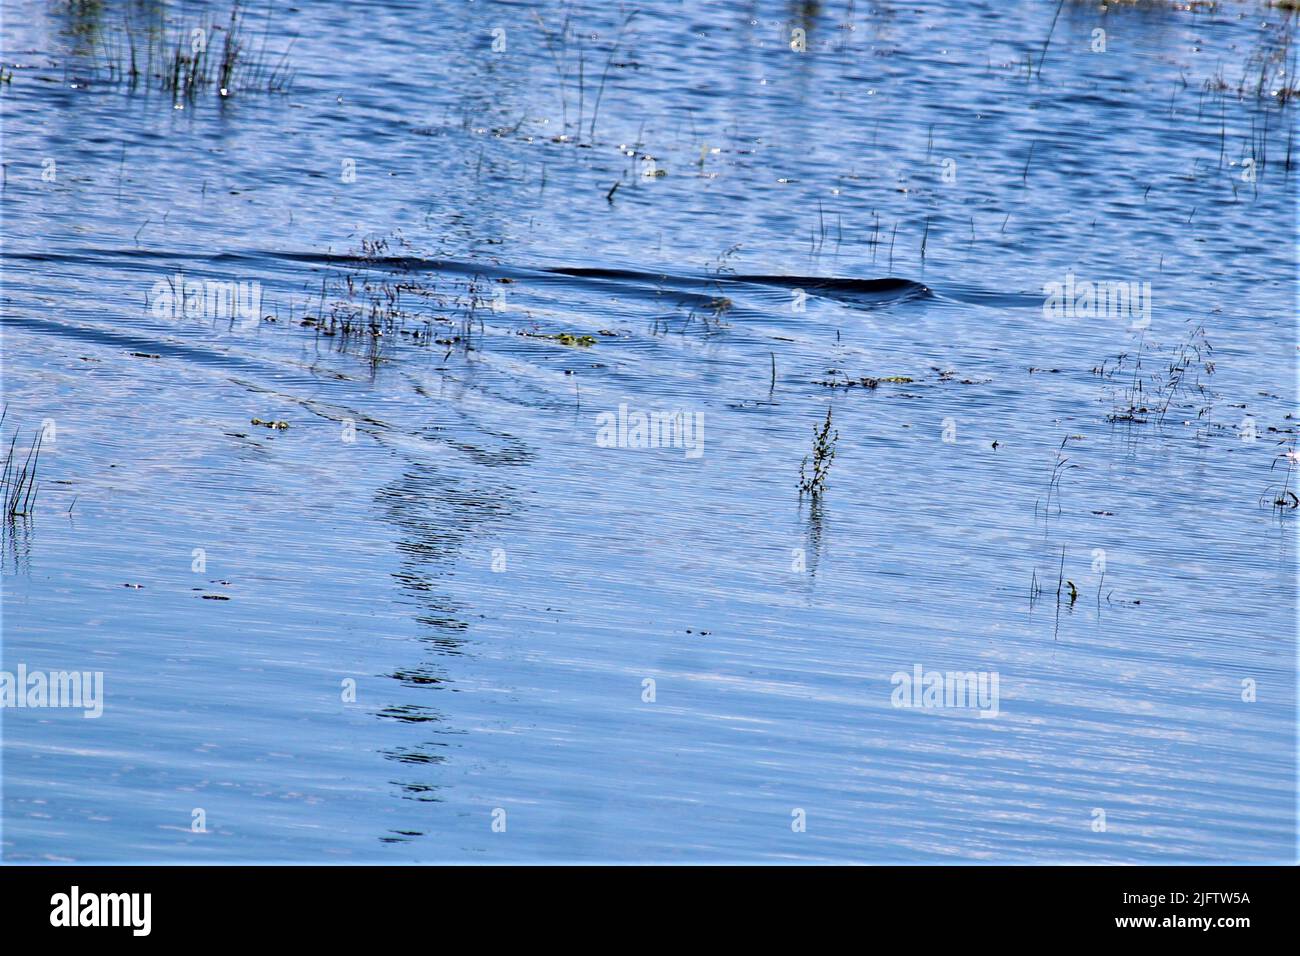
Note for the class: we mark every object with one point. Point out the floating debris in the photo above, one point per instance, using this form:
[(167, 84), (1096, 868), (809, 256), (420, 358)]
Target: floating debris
[(865, 381), (564, 338)]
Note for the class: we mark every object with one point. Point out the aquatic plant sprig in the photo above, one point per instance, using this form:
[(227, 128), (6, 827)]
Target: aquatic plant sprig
[(823, 453), (1283, 498)]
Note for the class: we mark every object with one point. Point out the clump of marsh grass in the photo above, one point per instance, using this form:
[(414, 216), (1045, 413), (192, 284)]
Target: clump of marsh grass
[(1192, 358), (186, 59), (813, 480), (1151, 396), (368, 299), (18, 485), (388, 294)]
